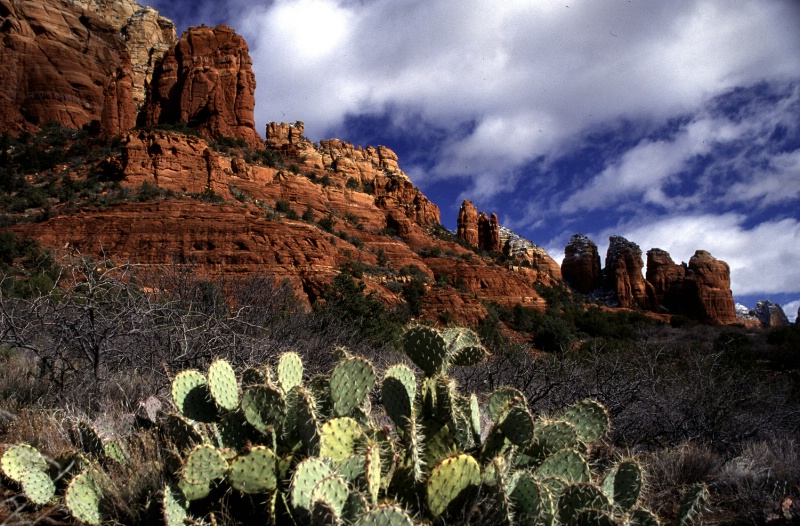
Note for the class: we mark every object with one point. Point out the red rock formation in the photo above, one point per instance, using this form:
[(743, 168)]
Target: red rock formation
[(700, 290), (581, 264), (468, 223), (770, 314), (710, 279), (173, 162), (57, 58), (206, 80), (119, 109), (623, 274), (478, 229)]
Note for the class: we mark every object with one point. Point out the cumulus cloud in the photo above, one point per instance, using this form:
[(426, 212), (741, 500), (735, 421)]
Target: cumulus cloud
[(516, 67), (790, 309)]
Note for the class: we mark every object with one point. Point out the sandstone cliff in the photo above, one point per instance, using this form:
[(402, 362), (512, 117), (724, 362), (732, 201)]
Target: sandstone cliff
[(206, 80), (75, 61), (770, 314), (478, 229), (622, 275), (581, 264)]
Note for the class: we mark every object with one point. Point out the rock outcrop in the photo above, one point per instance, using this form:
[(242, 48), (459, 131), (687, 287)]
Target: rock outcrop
[(65, 60), (478, 229), (623, 275), (467, 226), (770, 314), (175, 163), (581, 264), (532, 257), (708, 288), (206, 81), (665, 275)]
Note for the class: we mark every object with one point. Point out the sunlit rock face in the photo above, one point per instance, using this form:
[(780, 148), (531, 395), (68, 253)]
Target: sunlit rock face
[(77, 61), (206, 80)]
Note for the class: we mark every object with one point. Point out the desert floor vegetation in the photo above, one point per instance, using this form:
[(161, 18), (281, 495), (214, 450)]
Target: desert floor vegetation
[(87, 341)]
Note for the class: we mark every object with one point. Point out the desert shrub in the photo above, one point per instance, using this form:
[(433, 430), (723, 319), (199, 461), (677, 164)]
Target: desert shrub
[(285, 208), (326, 223), (352, 184), (309, 215), (345, 298), (413, 293)]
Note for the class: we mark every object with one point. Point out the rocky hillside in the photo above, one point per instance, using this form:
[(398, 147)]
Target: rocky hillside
[(183, 176)]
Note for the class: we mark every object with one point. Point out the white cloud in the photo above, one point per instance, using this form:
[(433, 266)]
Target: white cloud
[(513, 67), (790, 309)]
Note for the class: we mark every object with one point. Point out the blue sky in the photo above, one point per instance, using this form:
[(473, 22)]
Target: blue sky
[(674, 124)]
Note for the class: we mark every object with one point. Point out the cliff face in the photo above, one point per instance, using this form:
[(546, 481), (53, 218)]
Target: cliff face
[(72, 60), (478, 229), (581, 264), (623, 274), (700, 290), (206, 81)]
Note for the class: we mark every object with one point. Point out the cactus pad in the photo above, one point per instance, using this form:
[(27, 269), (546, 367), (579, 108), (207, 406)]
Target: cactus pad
[(642, 517), (192, 397), (396, 402), (333, 491), (452, 483), (223, 385), (263, 407), (181, 431), (403, 373), (427, 349), (203, 465), (566, 464), (590, 419), (173, 506), (553, 436), (502, 399), (351, 381), (19, 458), (623, 484), (254, 472), (527, 498), (517, 426), (38, 486), (290, 371), (90, 440), (385, 515), (692, 505), (306, 475), (578, 497), (83, 498), (373, 471), (339, 438), (592, 517), (234, 432), (253, 376), (464, 347)]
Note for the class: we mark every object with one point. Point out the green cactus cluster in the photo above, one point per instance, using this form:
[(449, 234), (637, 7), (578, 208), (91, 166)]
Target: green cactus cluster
[(295, 451)]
